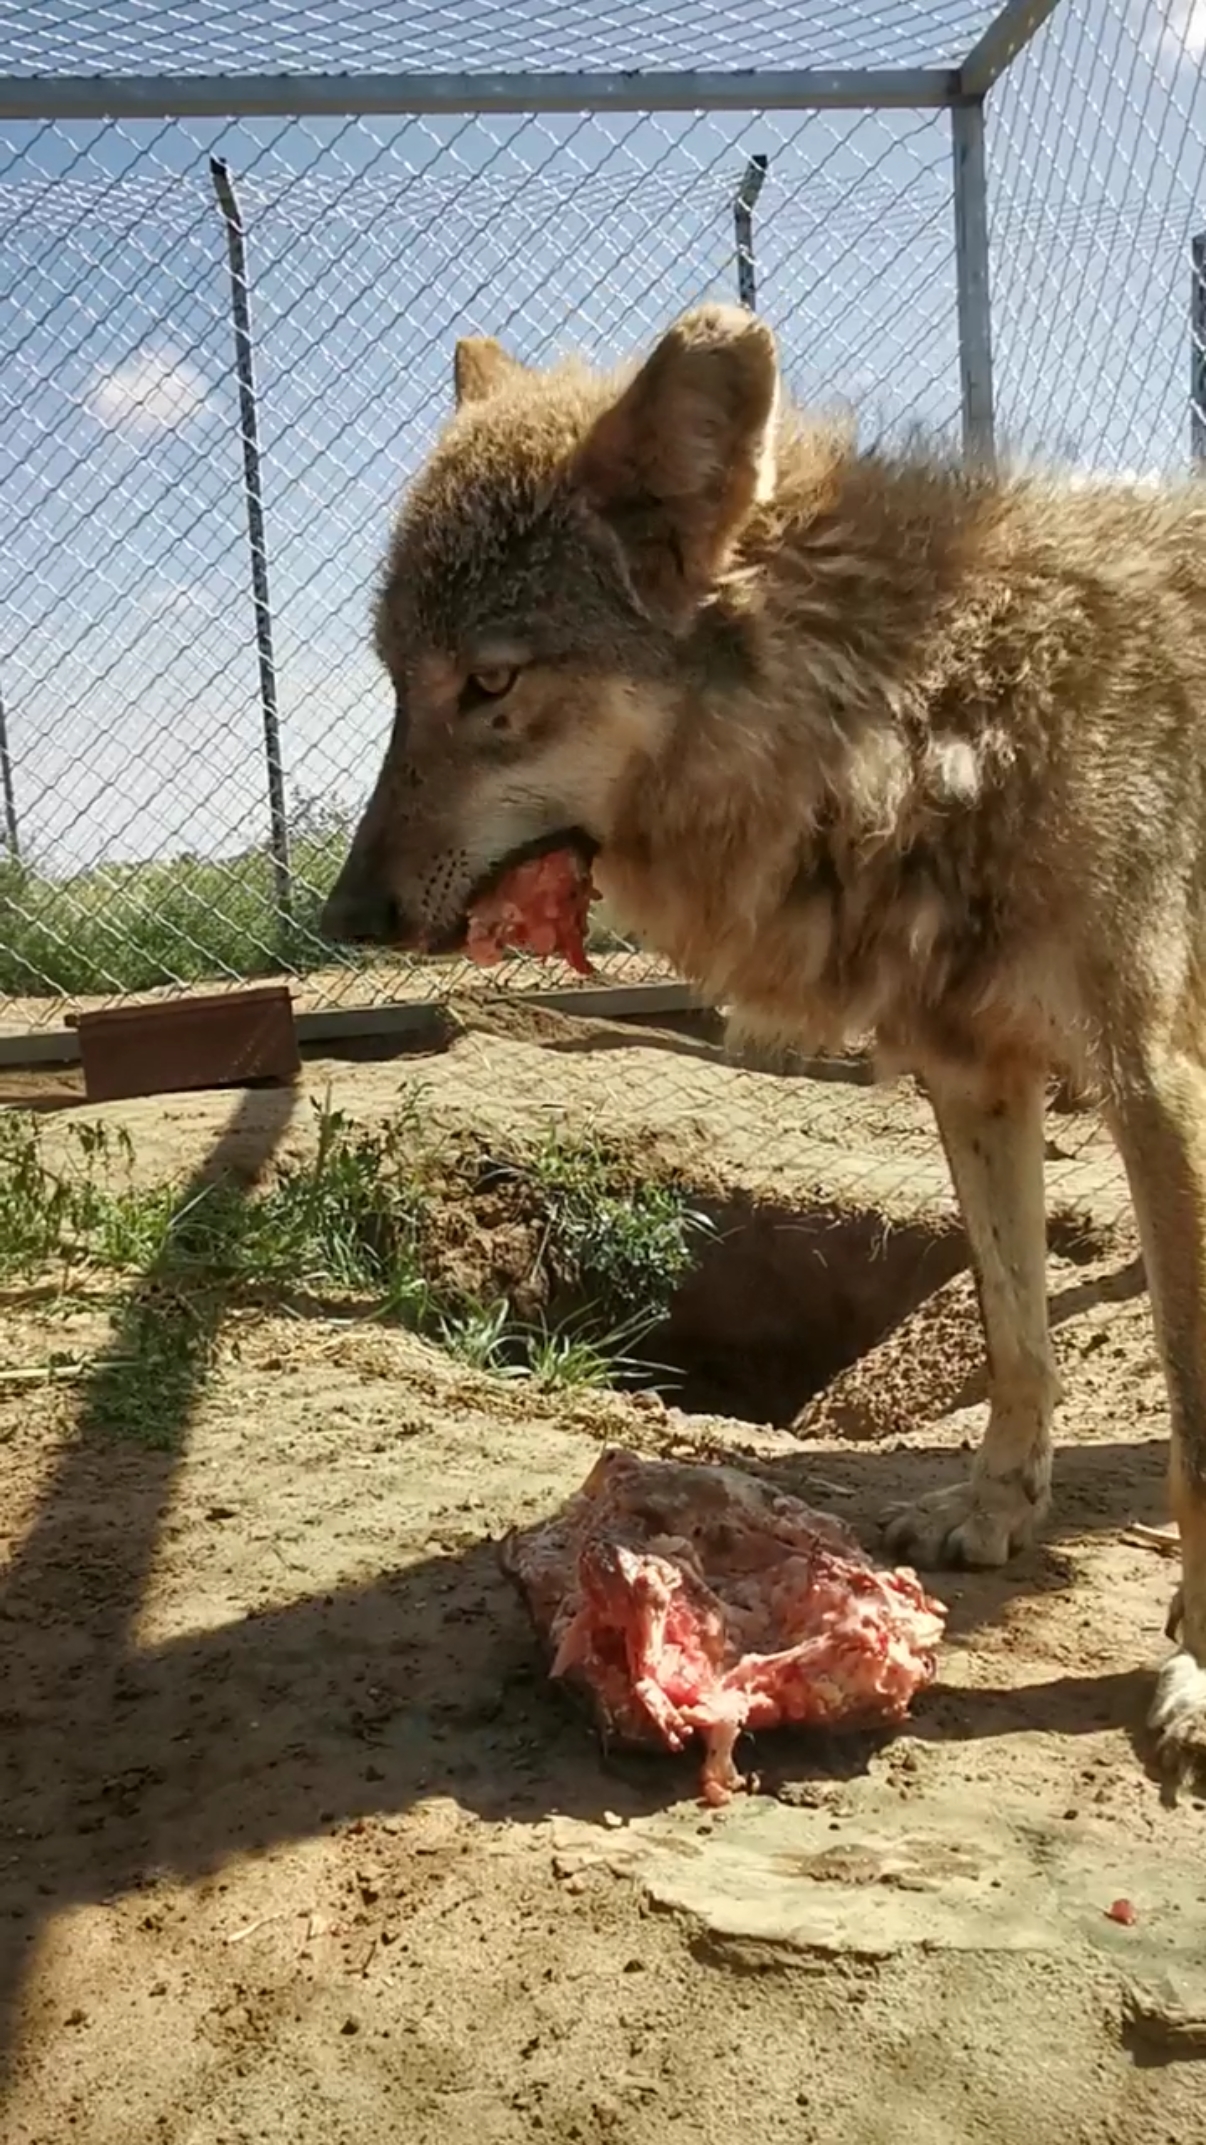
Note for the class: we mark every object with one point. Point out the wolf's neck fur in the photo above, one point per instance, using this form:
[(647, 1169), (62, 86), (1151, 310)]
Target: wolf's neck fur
[(845, 728), (831, 668)]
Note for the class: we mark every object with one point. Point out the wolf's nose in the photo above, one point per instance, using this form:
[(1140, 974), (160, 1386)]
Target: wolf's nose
[(361, 917)]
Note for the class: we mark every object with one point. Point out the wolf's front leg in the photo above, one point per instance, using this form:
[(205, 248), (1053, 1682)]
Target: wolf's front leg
[(1159, 1119), (995, 1152)]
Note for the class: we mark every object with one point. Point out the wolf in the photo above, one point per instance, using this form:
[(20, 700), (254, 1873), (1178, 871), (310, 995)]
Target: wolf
[(865, 743)]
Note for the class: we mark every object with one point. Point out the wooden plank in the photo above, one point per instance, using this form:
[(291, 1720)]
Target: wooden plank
[(235, 1039)]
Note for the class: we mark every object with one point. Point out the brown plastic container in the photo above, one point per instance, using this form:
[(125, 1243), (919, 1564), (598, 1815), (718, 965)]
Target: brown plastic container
[(233, 1039)]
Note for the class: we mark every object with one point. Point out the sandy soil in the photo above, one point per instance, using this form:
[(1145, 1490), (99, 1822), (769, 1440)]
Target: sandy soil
[(296, 1844)]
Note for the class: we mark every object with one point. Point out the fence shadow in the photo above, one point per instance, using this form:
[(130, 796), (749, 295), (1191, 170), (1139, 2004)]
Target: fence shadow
[(74, 1588)]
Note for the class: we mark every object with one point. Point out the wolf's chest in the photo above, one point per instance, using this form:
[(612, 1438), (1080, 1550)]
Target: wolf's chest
[(846, 943)]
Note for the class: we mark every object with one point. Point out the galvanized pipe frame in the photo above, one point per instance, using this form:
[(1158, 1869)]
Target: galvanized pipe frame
[(300, 96), (236, 240), (961, 90), (419, 96), (973, 291), (400, 1022)]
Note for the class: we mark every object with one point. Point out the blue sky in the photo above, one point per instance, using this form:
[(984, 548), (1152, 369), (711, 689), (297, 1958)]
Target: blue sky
[(126, 653)]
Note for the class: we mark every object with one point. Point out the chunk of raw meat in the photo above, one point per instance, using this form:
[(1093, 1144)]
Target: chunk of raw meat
[(542, 907), (697, 1600)]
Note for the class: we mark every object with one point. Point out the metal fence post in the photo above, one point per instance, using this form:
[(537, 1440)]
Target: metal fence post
[(240, 307), (12, 839), (1198, 350), (972, 280), (752, 182)]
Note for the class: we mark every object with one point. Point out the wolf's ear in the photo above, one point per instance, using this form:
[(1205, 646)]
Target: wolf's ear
[(679, 461), (480, 367)]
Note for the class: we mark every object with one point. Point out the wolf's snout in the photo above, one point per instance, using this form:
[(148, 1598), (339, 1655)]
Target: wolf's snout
[(362, 915)]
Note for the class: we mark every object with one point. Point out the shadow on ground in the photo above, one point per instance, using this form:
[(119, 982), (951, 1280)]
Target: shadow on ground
[(74, 1589), (123, 1762)]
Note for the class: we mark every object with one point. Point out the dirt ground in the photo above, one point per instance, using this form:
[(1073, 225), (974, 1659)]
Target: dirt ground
[(297, 1845)]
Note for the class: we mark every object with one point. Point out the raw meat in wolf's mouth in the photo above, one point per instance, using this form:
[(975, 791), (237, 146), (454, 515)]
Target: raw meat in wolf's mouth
[(541, 907), (696, 1599)]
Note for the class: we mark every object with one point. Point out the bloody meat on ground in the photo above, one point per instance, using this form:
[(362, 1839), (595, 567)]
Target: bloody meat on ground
[(698, 1600)]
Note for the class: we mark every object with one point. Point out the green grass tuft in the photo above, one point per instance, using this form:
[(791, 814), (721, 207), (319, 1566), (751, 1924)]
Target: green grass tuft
[(350, 1229), (138, 927)]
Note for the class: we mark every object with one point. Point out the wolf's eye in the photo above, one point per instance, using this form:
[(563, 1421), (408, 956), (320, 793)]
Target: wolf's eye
[(492, 684)]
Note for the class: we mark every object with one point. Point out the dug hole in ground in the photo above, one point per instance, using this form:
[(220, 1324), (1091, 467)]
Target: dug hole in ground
[(298, 1844)]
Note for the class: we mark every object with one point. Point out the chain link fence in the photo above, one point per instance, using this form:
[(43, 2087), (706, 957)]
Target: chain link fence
[(1097, 191), (140, 815), (326, 198)]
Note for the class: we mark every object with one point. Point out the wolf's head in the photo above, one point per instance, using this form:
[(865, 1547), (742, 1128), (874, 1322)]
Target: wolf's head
[(542, 589)]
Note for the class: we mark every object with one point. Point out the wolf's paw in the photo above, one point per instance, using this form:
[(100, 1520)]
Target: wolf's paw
[(978, 1523), (1178, 1720)]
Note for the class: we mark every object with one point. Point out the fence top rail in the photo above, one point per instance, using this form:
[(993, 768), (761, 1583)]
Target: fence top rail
[(297, 96), (1005, 37)]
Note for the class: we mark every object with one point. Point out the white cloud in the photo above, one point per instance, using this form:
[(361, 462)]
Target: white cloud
[(1184, 34), (154, 391)]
